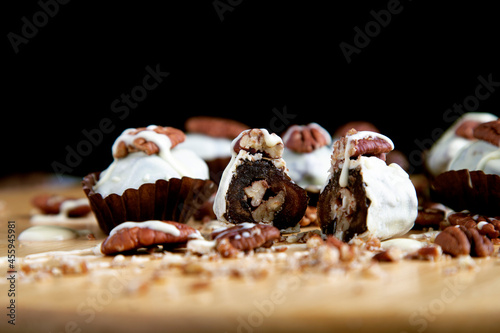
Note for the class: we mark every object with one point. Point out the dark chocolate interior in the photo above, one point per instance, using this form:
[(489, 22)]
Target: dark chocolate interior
[(332, 194), (238, 206)]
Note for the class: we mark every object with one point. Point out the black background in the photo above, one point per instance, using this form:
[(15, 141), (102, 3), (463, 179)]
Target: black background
[(261, 57)]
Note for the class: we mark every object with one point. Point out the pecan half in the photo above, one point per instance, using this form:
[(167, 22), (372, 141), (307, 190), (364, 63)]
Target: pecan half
[(428, 217), (466, 129), (310, 217), (141, 144), (480, 246), (51, 204), (485, 225), (453, 241), (305, 139), (260, 141), (244, 237), (371, 145), (137, 236), (462, 219), (489, 132), (215, 127)]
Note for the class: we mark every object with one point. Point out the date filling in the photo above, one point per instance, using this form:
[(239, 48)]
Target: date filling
[(260, 192), (344, 209)]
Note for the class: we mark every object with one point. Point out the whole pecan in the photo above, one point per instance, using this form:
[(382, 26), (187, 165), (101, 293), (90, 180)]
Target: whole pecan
[(137, 236), (215, 127), (453, 241), (305, 139), (259, 141), (141, 144), (244, 237), (489, 132)]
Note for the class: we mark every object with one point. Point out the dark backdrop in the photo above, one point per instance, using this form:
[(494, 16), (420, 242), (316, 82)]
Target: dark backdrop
[(70, 66)]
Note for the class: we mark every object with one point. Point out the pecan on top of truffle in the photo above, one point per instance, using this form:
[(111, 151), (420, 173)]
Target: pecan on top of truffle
[(307, 138), (260, 141), (365, 143), (489, 132), (150, 140)]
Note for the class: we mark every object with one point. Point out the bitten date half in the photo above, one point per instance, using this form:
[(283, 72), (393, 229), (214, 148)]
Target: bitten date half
[(240, 208)]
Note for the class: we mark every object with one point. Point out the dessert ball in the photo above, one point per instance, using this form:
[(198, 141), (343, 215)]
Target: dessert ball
[(255, 186), (365, 197)]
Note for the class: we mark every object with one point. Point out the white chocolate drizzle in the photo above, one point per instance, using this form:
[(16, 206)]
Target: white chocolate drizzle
[(138, 168), (152, 224)]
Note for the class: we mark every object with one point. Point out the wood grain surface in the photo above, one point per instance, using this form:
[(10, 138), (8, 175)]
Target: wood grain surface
[(145, 292)]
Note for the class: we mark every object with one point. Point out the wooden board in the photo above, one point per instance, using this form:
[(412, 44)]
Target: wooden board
[(147, 292)]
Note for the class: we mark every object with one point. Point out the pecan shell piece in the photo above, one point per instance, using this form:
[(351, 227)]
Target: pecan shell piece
[(244, 237), (135, 236)]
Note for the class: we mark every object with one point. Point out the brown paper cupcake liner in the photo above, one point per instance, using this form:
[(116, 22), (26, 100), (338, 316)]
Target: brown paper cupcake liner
[(468, 190), (172, 200)]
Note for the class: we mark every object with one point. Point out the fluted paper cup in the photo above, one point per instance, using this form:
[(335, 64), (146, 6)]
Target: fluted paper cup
[(173, 200)]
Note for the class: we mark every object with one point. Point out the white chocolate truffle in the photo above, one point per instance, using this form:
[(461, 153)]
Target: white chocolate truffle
[(449, 144), (308, 169), (139, 168), (365, 197), (478, 155)]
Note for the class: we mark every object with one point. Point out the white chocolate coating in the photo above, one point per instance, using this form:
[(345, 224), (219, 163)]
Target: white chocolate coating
[(393, 199), (444, 150), (139, 168), (478, 155), (308, 169)]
